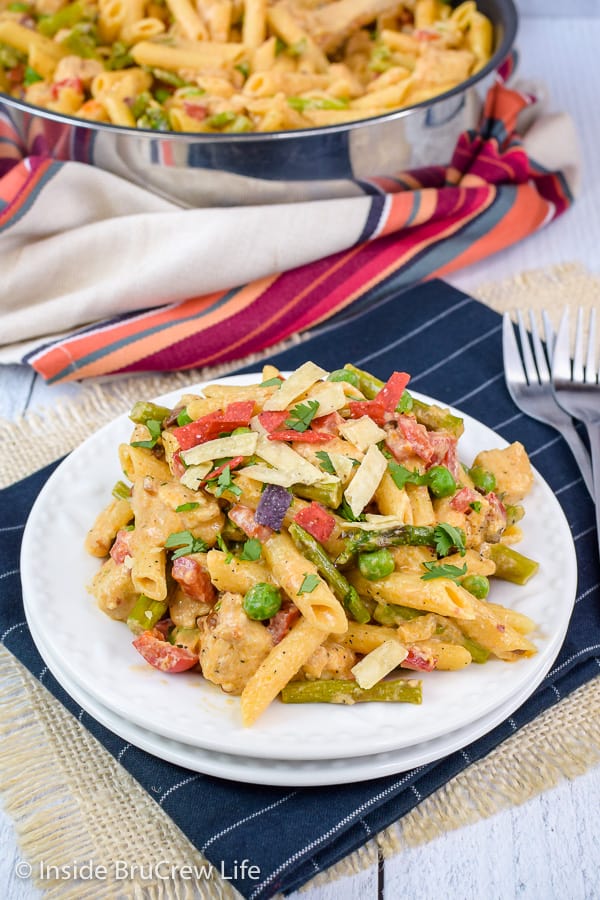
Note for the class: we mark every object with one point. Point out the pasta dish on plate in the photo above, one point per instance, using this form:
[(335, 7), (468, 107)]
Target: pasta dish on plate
[(233, 66), (309, 536)]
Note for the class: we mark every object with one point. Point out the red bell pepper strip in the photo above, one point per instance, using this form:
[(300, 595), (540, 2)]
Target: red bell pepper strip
[(232, 464), (371, 408), (390, 394), (163, 655), (329, 423), (235, 415), (316, 521), (307, 437), (271, 421)]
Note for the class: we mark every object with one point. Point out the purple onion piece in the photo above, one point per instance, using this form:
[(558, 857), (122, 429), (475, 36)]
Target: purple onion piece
[(272, 507)]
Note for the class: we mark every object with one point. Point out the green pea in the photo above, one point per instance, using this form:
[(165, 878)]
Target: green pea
[(478, 585), (440, 481), (376, 565), (344, 375), (514, 514), (243, 429), (262, 601), (483, 480)]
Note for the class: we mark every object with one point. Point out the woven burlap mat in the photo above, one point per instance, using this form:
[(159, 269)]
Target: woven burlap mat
[(70, 800)]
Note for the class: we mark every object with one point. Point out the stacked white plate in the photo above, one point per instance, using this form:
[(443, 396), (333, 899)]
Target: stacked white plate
[(188, 721)]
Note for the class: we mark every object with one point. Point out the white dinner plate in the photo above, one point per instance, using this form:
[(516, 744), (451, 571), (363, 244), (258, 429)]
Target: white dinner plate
[(281, 772), (96, 652)]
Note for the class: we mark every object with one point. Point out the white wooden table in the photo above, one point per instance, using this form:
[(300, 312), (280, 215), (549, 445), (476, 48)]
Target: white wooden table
[(547, 849)]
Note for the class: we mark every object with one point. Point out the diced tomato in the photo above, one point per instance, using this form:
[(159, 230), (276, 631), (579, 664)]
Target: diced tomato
[(307, 437), (371, 408), (280, 624), (194, 580), (270, 421), (417, 436), (122, 546), (390, 394), (316, 520), (207, 428), (463, 499), (399, 446), (424, 34), (329, 423), (16, 74), (451, 460), (243, 517), (440, 443), (418, 660), (163, 655), (233, 464), (195, 110)]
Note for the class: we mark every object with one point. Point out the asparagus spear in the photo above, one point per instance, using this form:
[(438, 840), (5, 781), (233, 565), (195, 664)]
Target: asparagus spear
[(342, 589), (367, 383), (333, 691), (511, 565), (146, 613), (144, 410), (328, 493), (412, 535)]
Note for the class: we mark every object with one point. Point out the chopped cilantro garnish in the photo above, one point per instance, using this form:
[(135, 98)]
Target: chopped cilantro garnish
[(272, 382), (447, 537), (476, 506), (309, 584), (244, 68), (154, 427), (252, 550), (184, 543), (186, 507), (302, 415), (325, 461), (346, 513), (226, 483), (223, 546), (31, 76), (401, 475), (443, 571)]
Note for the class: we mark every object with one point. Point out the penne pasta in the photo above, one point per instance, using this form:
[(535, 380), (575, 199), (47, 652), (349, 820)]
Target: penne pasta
[(269, 534)]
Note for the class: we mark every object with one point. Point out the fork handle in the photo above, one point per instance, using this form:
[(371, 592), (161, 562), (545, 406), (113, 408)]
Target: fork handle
[(593, 429), (582, 457)]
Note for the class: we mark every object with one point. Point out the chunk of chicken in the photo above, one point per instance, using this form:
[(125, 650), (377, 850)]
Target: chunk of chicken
[(511, 469), (76, 67), (233, 646), (330, 660), (113, 589)]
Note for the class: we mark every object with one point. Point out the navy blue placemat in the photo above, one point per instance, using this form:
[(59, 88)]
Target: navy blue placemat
[(452, 346)]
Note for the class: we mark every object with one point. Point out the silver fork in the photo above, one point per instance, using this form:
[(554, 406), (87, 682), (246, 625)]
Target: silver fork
[(577, 388), (530, 385)]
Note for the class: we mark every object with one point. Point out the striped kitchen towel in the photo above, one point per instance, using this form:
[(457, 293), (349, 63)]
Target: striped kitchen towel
[(101, 277)]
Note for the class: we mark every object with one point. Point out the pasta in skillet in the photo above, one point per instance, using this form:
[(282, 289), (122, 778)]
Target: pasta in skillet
[(308, 536), (236, 65)]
